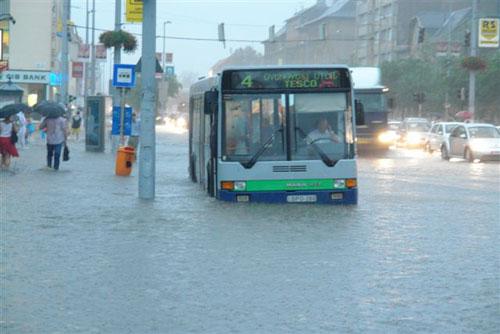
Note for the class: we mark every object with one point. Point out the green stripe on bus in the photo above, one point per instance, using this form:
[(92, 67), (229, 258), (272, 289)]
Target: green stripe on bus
[(273, 185)]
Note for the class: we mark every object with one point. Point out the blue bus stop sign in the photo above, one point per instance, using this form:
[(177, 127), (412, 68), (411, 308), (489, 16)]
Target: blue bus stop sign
[(124, 75)]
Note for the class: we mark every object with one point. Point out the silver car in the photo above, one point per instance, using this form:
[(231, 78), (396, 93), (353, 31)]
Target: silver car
[(472, 141), (438, 135)]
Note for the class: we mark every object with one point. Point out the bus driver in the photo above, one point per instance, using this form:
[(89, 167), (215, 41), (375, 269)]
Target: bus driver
[(323, 133)]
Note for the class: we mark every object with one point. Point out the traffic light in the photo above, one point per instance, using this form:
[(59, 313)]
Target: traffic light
[(419, 97), (222, 36), (71, 98), (421, 35), (467, 39)]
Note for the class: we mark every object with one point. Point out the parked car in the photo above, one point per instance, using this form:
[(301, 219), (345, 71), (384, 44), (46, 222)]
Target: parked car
[(472, 141), (413, 132), (438, 134)]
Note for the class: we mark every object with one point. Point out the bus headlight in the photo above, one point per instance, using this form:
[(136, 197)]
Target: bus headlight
[(386, 137), (240, 186), (339, 184)]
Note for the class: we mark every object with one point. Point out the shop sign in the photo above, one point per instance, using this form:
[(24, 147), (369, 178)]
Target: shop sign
[(28, 77)]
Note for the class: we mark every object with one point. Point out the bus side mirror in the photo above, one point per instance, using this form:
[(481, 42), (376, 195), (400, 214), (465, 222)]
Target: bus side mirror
[(360, 113), (211, 100)]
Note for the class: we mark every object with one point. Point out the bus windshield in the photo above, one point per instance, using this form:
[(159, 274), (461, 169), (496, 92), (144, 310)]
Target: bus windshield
[(372, 102), (256, 127)]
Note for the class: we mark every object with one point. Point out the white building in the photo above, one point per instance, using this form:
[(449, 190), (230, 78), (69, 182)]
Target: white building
[(32, 48)]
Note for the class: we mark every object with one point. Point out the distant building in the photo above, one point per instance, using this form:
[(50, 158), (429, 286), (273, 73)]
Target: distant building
[(321, 34), (388, 29)]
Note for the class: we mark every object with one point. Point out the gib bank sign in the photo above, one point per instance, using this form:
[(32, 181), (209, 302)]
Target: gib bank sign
[(25, 77)]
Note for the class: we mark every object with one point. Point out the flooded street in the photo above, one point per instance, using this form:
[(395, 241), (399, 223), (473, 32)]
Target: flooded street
[(81, 253)]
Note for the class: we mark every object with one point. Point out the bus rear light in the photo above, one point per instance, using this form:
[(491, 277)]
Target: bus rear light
[(227, 185), (351, 183)]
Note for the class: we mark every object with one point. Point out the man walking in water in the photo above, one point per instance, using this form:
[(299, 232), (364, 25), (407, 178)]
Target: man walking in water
[(57, 134)]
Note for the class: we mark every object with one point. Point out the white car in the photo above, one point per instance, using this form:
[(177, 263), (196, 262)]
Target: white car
[(472, 141), (438, 135)]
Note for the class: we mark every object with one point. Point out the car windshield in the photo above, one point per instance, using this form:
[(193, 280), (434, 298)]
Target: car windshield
[(372, 102), (483, 132), (418, 127)]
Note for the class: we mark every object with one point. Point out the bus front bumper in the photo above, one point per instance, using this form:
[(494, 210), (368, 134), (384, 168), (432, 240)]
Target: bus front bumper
[(344, 197)]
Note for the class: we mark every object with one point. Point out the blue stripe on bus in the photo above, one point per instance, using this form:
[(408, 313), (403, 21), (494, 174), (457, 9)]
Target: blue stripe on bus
[(323, 197)]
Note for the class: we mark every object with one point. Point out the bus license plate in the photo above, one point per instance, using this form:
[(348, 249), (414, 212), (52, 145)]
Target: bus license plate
[(301, 198)]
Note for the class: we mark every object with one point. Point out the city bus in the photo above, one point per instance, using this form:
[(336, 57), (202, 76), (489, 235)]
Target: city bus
[(374, 133), (283, 134)]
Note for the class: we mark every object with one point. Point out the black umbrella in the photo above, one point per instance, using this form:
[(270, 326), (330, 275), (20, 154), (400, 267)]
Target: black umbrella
[(50, 109), (12, 109)]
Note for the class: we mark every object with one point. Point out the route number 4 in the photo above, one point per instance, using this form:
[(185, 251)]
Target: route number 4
[(247, 81)]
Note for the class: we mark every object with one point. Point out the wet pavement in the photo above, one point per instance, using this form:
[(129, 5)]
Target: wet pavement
[(81, 253)]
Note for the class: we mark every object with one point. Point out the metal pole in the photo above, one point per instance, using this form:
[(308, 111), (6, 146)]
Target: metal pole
[(122, 116), (86, 83), (147, 157), (65, 53), (448, 69), (92, 53), (473, 53), (117, 97), (163, 54)]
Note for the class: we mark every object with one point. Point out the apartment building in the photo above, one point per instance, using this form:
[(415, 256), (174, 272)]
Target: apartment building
[(385, 29)]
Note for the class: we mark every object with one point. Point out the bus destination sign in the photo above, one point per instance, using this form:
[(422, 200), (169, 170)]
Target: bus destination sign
[(288, 79)]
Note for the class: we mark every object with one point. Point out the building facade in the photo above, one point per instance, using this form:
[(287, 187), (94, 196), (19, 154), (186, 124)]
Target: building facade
[(388, 29), (31, 56), (321, 34)]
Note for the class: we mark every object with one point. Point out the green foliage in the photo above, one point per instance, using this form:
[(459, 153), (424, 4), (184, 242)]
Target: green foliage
[(435, 78), (174, 86), (120, 39)]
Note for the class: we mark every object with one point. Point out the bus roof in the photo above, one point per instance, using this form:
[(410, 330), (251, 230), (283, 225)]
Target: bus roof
[(284, 67), (366, 78)]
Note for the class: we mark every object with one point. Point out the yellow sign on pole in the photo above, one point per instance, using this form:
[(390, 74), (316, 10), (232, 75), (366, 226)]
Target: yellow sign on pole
[(489, 33), (133, 11)]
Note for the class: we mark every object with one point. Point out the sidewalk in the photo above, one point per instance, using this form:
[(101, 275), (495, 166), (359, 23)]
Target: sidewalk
[(87, 182)]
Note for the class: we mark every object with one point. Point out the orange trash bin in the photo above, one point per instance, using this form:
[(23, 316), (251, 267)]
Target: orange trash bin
[(125, 157)]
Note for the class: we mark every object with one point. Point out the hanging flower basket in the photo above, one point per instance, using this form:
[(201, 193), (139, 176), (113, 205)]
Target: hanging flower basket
[(120, 39), (473, 64)]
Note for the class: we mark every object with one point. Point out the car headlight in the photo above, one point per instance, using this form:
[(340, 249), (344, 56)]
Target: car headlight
[(386, 137), (413, 138)]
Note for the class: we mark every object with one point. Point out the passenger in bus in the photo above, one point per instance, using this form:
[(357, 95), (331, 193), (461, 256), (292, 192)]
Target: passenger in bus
[(237, 139), (323, 133)]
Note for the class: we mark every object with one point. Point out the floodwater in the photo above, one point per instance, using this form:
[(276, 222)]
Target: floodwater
[(81, 254)]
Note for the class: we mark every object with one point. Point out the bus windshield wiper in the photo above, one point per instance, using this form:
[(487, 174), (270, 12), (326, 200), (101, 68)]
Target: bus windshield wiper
[(250, 163), (329, 162)]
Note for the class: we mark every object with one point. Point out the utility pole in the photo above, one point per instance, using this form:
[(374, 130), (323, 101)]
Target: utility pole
[(117, 97), (147, 156), (65, 53), (92, 53), (448, 68), (164, 84), (473, 53), (86, 82)]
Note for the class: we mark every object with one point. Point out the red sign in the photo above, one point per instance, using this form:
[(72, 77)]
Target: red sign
[(77, 70), (84, 51), (100, 52)]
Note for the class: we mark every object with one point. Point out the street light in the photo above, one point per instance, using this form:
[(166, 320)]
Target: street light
[(163, 54)]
